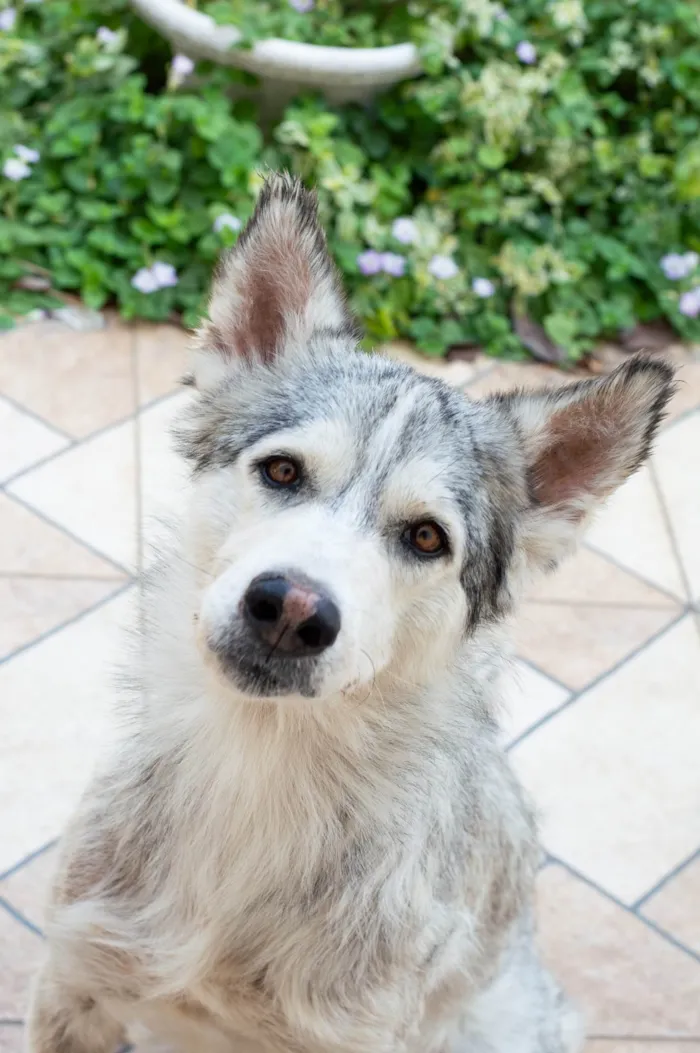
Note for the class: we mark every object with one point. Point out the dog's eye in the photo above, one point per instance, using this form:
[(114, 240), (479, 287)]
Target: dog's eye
[(281, 471), (426, 538)]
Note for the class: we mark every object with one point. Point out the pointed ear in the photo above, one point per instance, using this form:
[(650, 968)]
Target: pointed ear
[(275, 288), (580, 443)]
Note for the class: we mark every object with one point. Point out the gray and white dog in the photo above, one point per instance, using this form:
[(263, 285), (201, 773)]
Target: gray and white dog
[(309, 839)]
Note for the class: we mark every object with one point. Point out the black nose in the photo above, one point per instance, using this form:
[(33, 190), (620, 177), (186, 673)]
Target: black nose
[(293, 617)]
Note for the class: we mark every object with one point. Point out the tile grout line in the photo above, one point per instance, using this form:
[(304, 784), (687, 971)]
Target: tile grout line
[(20, 918), (633, 573), (680, 563), (69, 533), (59, 432), (112, 426), (667, 936), (599, 679), (642, 901), (26, 860), (536, 669), (69, 621)]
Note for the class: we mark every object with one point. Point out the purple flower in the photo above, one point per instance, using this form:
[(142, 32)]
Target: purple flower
[(25, 153), (107, 36), (303, 6), (370, 262), (676, 265), (483, 288), (405, 230), (526, 52), (15, 169), (165, 274), (393, 264), (443, 267), (226, 221), (689, 303), (8, 17)]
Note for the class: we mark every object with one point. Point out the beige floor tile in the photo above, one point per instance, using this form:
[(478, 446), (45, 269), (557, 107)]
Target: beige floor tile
[(677, 466), (56, 708), (576, 644), (164, 473), (21, 952), (30, 607), (687, 396), (11, 1038), (628, 980), (632, 530), (161, 359), (23, 440), (508, 375), (77, 381), (588, 577), (528, 696), (91, 491), (676, 906), (458, 373), (627, 1045), (616, 774), (31, 546), (28, 889)]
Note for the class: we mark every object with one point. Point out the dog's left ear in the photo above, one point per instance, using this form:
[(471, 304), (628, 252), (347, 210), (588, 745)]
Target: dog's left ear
[(580, 443), (275, 289)]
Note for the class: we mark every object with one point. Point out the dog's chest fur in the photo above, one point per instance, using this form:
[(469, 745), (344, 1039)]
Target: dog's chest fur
[(394, 850)]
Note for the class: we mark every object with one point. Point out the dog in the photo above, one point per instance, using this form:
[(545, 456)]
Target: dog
[(308, 838)]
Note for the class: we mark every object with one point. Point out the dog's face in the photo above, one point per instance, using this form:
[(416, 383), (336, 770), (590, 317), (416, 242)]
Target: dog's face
[(350, 517)]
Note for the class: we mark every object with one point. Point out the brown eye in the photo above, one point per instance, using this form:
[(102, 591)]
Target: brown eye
[(281, 471), (427, 538)]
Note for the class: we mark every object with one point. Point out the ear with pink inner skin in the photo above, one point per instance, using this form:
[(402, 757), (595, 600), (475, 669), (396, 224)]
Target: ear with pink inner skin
[(274, 290), (580, 443)]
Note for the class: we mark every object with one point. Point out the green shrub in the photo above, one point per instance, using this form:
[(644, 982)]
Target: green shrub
[(548, 162)]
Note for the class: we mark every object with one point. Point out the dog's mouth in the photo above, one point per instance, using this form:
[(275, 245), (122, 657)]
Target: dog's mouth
[(266, 676)]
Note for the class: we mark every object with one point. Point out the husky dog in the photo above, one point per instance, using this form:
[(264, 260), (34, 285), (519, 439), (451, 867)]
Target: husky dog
[(309, 839)]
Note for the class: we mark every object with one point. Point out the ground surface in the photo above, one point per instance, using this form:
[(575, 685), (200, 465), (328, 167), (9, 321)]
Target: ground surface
[(604, 715)]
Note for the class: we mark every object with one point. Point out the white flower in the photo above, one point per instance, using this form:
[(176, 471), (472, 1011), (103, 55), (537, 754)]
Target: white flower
[(443, 267), (303, 6), (165, 274), (107, 36), (689, 303), (226, 221), (526, 52), (145, 281), (483, 288), (405, 230), (8, 17), (25, 153), (180, 68), (15, 169), (158, 276)]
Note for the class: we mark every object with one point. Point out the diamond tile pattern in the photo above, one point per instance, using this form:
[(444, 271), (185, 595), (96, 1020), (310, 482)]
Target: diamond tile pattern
[(601, 707)]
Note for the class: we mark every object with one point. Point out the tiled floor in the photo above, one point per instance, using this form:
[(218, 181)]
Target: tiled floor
[(603, 721)]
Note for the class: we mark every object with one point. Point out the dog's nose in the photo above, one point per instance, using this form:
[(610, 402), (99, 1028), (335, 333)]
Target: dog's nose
[(294, 618)]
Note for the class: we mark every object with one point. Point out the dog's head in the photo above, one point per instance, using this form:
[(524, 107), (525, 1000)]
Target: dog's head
[(351, 517)]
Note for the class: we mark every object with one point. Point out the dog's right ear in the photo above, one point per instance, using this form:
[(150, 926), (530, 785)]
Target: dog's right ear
[(274, 290)]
